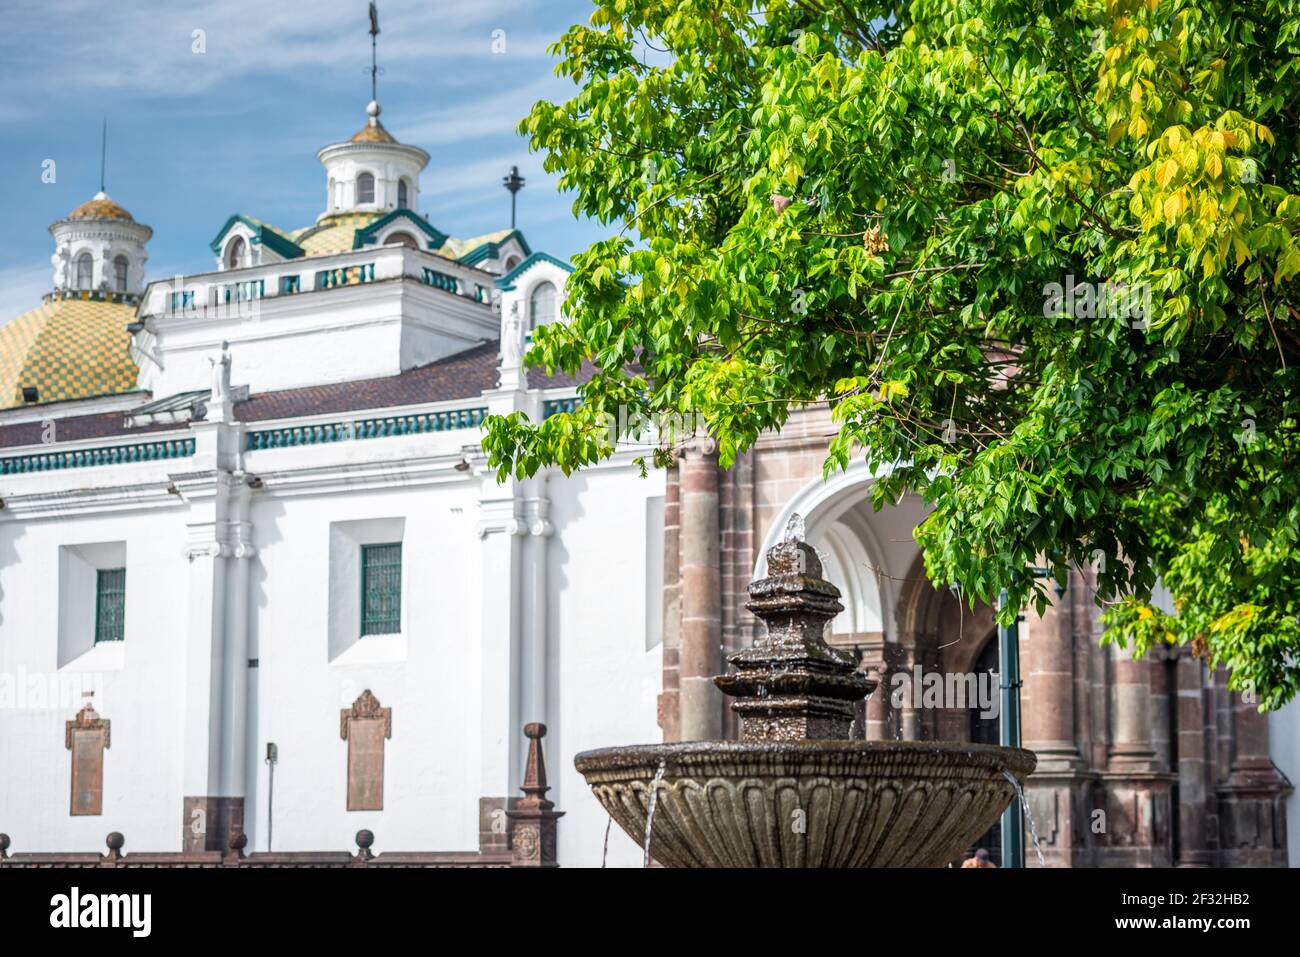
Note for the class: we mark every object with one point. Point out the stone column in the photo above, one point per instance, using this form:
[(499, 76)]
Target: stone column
[(217, 548), (1252, 819), (669, 706), (535, 650), (1049, 683), (502, 529), (1131, 747), (701, 638), (1059, 790), (1138, 805), (1190, 749)]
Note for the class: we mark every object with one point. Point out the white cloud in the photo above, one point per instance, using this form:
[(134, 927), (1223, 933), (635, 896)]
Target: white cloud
[(80, 46)]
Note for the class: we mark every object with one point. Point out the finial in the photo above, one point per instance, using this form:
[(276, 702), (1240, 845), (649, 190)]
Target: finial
[(794, 529), (103, 156)]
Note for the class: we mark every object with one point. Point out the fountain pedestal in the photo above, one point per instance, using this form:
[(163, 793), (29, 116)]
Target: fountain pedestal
[(791, 685), (794, 791)]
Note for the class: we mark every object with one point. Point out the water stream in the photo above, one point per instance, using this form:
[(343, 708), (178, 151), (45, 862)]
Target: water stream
[(650, 818), (1029, 816), (605, 856)]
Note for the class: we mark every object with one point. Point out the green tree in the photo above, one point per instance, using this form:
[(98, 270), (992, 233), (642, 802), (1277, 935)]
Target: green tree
[(1040, 257)]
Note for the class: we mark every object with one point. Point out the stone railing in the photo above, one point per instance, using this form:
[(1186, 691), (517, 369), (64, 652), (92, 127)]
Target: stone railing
[(97, 456), (204, 294), (325, 433), (530, 841)]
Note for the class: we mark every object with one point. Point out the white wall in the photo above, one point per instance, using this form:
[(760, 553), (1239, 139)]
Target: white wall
[(431, 778), (1284, 749), (608, 681), (137, 687)]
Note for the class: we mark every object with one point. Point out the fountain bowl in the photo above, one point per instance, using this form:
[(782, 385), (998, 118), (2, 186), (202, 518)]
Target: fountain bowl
[(807, 803)]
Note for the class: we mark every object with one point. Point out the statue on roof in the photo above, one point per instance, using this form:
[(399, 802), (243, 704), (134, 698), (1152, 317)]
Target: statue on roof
[(221, 376), (512, 338)]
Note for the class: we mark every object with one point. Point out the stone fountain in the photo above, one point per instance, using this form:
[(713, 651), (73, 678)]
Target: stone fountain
[(795, 790)]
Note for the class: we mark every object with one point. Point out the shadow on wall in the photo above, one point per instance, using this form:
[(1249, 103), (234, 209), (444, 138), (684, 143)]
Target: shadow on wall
[(266, 533), (9, 535)]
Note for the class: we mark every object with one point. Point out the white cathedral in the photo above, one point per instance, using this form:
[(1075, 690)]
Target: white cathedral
[(233, 502), (256, 576)]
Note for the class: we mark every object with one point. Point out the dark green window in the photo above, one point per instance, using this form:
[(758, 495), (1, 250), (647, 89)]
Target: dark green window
[(110, 604), (381, 589)]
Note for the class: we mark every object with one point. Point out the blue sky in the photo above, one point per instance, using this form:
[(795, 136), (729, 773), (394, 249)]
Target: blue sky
[(193, 137)]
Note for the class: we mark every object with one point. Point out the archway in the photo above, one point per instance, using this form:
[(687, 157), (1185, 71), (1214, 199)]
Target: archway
[(896, 622)]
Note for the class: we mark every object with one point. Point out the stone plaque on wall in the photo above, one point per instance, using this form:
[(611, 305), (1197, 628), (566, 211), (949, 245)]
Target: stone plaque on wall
[(87, 736), (364, 727)]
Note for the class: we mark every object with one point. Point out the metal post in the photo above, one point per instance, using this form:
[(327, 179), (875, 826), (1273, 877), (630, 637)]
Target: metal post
[(1013, 821)]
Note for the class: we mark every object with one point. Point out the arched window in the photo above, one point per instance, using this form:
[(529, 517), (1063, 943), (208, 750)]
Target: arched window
[(236, 253), (511, 263), (333, 194), (365, 188), (119, 273), (541, 305), (402, 195), (402, 239), (85, 271)]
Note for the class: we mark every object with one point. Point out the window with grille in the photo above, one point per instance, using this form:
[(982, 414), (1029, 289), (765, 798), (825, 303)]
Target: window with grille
[(381, 589), (110, 604)]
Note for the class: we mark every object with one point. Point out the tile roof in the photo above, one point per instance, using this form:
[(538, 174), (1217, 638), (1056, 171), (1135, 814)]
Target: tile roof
[(461, 376), (466, 375), (101, 208), (78, 428), (334, 234), (68, 348), (373, 132)]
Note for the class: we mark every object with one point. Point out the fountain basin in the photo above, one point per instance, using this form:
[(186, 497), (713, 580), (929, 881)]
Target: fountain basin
[(807, 803)]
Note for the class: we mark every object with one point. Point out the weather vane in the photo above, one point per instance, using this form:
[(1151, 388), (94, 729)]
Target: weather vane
[(514, 182), (103, 153), (374, 66)]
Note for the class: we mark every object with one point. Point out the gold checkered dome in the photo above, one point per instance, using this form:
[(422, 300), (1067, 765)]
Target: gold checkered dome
[(68, 347), (75, 344)]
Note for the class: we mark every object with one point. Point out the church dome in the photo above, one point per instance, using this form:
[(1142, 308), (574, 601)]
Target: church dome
[(101, 208), (67, 348)]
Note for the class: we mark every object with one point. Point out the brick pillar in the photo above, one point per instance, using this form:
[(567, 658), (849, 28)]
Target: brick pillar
[(701, 637), (1252, 803), (669, 699), (1190, 747)]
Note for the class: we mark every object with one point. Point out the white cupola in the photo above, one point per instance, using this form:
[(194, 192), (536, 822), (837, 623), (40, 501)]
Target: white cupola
[(99, 247), (371, 172)]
